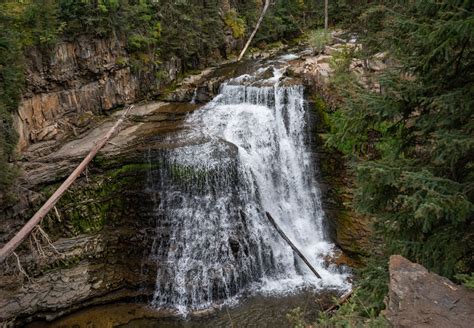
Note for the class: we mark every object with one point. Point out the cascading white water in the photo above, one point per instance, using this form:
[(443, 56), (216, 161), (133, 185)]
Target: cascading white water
[(250, 155)]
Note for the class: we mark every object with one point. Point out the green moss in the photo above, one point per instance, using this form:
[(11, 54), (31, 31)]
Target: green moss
[(275, 45), (131, 168), (94, 202), (121, 61), (187, 173), (321, 107), (63, 263), (168, 89)]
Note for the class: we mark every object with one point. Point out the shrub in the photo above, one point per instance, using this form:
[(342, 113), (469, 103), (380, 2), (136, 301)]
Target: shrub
[(235, 23), (318, 39)]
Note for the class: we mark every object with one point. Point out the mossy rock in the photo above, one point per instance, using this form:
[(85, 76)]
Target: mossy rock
[(94, 201), (319, 107)]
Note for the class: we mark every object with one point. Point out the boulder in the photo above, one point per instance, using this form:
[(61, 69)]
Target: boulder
[(418, 298)]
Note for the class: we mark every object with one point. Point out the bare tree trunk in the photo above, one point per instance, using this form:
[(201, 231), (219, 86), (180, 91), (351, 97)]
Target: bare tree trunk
[(326, 18), (264, 11), (10, 247), (296, 250)]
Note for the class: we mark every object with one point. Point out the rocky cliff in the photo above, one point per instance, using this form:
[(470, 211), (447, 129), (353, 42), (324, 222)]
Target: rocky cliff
[(101, 229), (76, 80), (73, 82)]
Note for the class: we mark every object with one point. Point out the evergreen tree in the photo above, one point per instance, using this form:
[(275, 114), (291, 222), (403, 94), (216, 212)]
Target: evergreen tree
[(414, 140)]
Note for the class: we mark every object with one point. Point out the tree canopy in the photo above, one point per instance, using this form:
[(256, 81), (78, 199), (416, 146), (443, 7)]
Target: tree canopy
[(413, 141)]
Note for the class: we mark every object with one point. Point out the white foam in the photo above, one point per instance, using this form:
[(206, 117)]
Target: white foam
[(259, 160)]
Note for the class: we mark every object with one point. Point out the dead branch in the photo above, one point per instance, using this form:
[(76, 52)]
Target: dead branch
[(265, 8), (57, 213), (343, 299), (326, 16), (10, 247), (288, 241)]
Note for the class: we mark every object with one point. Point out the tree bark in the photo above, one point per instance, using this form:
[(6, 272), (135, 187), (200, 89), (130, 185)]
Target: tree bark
[(295, 249), (265, 8), (326, 18), (10, 246)]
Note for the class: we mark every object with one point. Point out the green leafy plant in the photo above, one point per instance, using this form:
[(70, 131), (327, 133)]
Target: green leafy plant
[(235, 23), (318, 39), (466, 279), (296, 318)]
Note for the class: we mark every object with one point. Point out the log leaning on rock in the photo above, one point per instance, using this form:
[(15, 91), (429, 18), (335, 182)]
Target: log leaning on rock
[(295, 249), (11, 245)]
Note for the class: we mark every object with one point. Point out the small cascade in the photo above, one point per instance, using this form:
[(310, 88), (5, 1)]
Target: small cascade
[(250, 155), (193, 99)]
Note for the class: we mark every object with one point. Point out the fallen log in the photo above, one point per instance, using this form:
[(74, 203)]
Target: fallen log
[(295, 249), (265, 8), (11, 245), (343, 299)]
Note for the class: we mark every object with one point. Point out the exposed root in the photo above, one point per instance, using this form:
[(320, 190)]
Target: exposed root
[(57, 213), (25, 231), (46, 238), (38, 247), (20, 267)]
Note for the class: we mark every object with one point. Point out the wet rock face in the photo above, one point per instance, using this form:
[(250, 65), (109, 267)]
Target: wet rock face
[(350, 230), (418, 298)]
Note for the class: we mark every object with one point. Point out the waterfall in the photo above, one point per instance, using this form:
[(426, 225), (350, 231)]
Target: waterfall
[(247, 153)]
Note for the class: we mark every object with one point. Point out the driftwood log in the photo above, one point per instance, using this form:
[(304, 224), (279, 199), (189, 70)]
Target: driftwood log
[(295, 249), (11, 245)]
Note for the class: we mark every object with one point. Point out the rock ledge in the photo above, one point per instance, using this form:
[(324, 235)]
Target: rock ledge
[(418, 298)]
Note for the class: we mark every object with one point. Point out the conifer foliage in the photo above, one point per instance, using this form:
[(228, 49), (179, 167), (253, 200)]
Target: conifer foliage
[(413, 141)]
